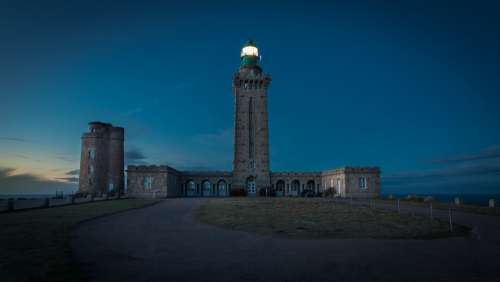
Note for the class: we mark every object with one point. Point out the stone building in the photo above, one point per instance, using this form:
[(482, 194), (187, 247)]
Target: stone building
[(102, 159), (251, 174)]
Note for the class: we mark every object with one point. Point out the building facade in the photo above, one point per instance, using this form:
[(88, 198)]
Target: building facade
[(251, 174)]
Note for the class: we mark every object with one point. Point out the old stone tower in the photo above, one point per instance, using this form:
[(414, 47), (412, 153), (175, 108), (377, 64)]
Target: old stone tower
[(102, 160), (251, 134)]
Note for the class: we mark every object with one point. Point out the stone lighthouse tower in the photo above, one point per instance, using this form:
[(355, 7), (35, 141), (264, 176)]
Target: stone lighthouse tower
[(251, 134)]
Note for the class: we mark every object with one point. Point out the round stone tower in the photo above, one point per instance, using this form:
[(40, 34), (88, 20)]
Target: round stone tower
[(102, 159), (251, 137)]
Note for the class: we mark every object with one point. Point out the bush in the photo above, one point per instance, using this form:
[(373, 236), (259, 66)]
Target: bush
[(238, 192)]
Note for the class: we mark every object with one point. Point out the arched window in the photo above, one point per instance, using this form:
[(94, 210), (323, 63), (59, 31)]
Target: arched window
[(191, 188), (221, 188), (280, 188), (295, 188), (207, 188)]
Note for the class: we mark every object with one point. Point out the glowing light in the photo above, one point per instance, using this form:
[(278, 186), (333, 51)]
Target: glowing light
[(249, 51)]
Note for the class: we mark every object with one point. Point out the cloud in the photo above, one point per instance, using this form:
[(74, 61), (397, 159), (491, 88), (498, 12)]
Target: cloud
[(73, 172), (135, 156), (469, 170), (472, 173), (488, 153), (70, 179), (14, 139), (27, 183)]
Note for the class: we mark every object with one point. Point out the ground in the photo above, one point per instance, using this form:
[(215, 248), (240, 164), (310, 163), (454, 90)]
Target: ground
[(35, 244), (165, 242), (319, 218)]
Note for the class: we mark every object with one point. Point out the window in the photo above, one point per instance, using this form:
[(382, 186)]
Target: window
[(362, 183), (148, 181), (91, 170), (91, 153)]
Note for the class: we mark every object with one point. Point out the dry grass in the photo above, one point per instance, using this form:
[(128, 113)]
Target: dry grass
[(318, 218), (445, 206), (35, 244)]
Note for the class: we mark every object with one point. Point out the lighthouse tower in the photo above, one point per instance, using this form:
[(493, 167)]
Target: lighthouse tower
[(251, 132)]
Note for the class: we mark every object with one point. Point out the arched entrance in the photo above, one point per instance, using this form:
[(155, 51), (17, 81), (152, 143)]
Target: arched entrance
[(206, 189), (280, 188), (310, 191), (295, 191), (251, 189), (190, 188), (221, 188)]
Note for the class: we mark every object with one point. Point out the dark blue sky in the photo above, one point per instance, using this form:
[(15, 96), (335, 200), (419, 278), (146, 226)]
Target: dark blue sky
[(411, 87)]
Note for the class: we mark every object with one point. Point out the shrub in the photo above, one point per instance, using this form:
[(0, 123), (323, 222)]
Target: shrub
[(238, 192)]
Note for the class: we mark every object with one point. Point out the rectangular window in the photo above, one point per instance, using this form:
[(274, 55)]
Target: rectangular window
[(91, 153), (362, 183), (148, 181)]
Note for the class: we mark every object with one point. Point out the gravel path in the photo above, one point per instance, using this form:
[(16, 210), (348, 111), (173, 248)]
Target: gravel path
[(163, 243)]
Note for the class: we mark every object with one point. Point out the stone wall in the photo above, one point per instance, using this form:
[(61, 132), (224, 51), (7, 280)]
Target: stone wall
[(346, 182), (148, 181)]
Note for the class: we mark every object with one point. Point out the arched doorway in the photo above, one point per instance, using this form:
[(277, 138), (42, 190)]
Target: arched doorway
[(206, 189), (221, 188), (190, 188), (280, 188), (310, 188), (251, 189), (295, 191)]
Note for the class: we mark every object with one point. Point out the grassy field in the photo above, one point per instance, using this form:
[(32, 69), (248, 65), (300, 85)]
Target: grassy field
[(318, 218), (34, 244), (445, 206)]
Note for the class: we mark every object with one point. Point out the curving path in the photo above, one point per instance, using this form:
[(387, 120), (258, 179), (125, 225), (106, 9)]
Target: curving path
[(164, 243)]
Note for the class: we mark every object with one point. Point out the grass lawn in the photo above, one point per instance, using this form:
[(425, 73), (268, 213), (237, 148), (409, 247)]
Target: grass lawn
[(318, 218), (445, 206), (34, 244)]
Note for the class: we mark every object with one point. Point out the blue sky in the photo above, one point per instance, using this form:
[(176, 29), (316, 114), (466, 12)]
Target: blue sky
[(411, 87)]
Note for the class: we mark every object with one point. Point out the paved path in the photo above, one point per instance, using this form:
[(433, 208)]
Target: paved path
[(163, 243)]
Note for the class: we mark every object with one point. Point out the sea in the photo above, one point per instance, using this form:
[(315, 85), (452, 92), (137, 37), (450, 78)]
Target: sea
[(473, 199)]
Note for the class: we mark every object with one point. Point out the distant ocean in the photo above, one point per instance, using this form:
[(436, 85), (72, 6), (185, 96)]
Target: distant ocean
[(478, 199)]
